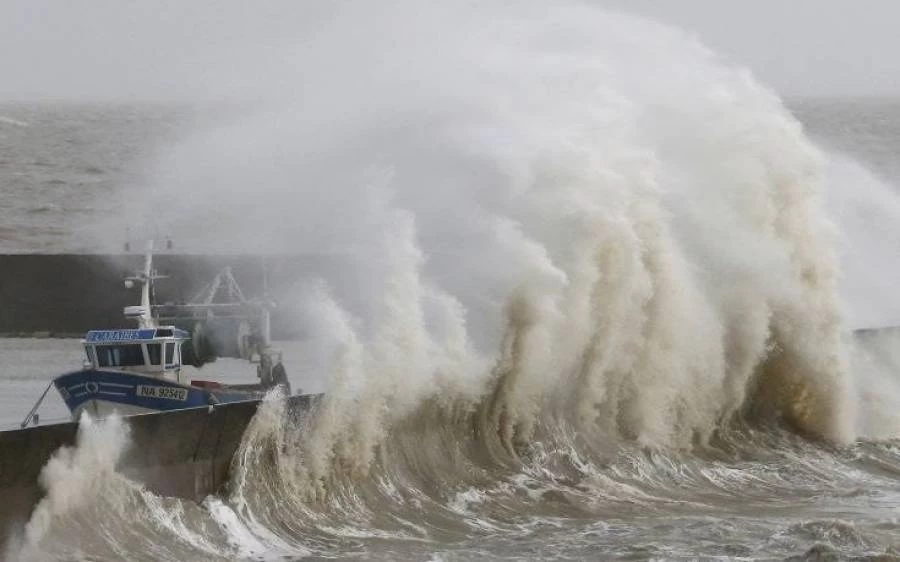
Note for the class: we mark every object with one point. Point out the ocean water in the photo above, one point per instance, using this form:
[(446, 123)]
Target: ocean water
[(597, 299)]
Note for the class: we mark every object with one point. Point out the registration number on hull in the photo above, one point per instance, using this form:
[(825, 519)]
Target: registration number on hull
[(164, 392)]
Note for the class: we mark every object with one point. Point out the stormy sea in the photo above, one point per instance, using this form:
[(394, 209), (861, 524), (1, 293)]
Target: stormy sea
[(601, 295)]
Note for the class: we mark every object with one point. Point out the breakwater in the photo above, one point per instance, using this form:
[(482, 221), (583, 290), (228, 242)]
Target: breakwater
[(64, 295), (182, 453)]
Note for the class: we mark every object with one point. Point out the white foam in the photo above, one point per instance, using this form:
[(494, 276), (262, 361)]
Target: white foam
[(10, 121), (75, 477)]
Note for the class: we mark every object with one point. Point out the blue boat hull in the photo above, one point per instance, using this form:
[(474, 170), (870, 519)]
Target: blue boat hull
[(101, 393)]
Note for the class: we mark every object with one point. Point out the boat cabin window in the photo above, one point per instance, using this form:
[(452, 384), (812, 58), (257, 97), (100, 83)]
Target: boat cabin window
[(170, 353), (125, 355), (89, 349), (154, 353)]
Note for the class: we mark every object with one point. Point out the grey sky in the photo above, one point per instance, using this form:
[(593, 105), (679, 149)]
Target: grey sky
[(164, 49), (801, 47)]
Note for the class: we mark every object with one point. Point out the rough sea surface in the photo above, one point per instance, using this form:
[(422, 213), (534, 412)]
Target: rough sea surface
[(598, 300)]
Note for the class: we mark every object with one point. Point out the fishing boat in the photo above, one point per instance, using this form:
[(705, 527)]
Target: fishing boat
[(140, 370)]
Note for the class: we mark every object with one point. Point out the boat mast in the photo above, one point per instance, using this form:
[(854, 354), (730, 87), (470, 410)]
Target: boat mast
[(143, 312), (144, 320)]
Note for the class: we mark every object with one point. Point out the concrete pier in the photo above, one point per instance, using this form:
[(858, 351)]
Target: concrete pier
[(182, 453)]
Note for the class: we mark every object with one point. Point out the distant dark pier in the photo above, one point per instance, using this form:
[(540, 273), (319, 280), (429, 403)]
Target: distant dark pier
[(64, 295)]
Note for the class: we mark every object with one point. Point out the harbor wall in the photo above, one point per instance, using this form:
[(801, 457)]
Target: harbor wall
[(64, 295), (182, 453)]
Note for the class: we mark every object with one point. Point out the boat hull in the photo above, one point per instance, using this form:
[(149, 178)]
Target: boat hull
[(102, 393)]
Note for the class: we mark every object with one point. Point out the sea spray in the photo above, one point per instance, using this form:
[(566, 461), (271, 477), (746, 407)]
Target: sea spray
[(72, 479), (529, 214), (76, 474), (867, 208), (92, 509)]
